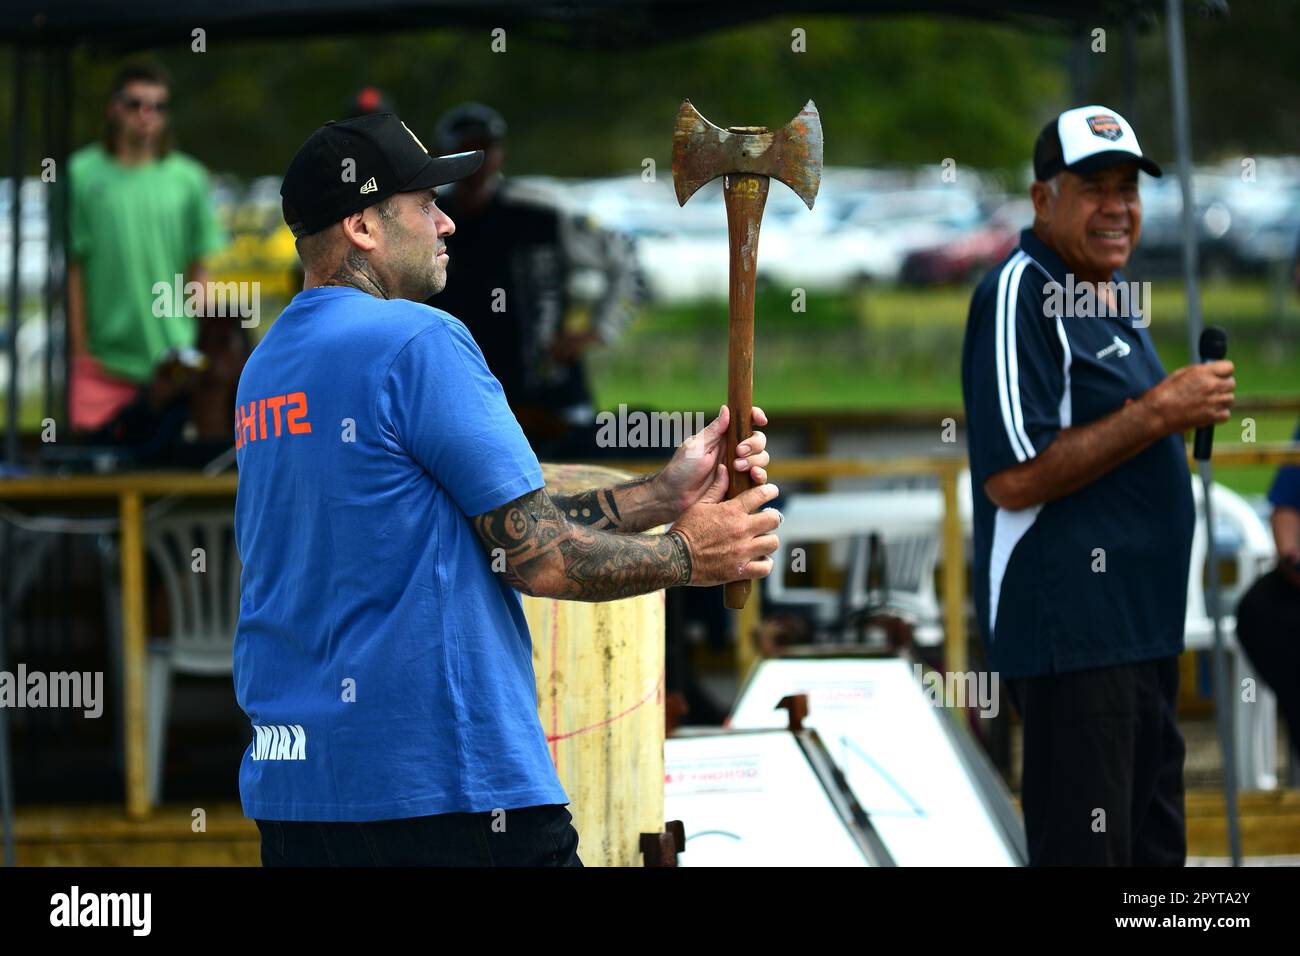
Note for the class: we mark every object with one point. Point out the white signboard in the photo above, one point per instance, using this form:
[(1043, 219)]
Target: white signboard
[(753, 799), (901, 763)]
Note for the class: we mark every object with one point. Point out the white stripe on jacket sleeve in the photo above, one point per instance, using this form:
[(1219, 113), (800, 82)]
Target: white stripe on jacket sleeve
[(1004, 346)]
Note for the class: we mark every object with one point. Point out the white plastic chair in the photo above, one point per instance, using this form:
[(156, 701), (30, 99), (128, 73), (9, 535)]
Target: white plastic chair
[(909, 523), (1254, 723), (204, 609), (907, 581)]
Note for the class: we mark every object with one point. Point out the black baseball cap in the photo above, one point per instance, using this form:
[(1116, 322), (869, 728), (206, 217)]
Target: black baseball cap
[(321, 187), (1086, 139), (469, 120)]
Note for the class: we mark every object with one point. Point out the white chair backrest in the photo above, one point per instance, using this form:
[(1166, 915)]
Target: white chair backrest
[(909, 523), (1254, 554), (910, 563), (196, 555)]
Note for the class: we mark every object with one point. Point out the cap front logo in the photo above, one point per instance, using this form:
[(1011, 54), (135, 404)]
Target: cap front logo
[(1105, 126), (369, 186)]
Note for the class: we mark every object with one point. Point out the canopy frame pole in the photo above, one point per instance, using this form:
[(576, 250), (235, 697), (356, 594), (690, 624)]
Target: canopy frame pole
[(1213, 593), (11, 434)]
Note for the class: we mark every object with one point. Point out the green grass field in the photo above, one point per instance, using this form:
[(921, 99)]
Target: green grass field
[(901, 348), (896, 348)]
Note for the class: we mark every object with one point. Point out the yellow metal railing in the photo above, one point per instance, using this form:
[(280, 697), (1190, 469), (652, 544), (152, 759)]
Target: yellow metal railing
[(131, 490), (948, 469)]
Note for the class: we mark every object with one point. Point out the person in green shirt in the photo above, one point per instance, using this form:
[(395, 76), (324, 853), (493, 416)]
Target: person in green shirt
[(141, 214)]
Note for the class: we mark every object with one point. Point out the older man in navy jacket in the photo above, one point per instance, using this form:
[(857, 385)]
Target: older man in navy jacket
[(1083, 505)]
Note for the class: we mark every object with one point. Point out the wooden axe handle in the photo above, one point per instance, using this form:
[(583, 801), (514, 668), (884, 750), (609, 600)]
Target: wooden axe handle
[(745, 195)]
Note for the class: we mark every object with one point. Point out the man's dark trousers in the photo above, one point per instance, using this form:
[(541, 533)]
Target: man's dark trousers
[(527, 836), (1103, 766)]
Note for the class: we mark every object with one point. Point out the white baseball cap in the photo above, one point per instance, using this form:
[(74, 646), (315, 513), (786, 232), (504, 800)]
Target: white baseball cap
[(1086, 139)]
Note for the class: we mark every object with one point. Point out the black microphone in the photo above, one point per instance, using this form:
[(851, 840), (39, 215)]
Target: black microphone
[(1214, 346)]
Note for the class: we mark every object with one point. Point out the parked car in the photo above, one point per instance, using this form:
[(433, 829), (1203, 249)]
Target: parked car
[(1242, 227), (966, 257)]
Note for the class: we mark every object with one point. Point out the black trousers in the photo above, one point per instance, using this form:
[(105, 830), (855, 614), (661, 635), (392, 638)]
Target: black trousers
[(1268, 629), (527, 836), (1103, 766)]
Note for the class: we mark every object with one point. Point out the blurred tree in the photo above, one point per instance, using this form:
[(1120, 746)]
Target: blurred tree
[(1242, 80), (890, 89)]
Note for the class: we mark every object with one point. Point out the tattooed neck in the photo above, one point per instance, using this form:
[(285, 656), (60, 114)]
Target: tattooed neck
[(356, 271)]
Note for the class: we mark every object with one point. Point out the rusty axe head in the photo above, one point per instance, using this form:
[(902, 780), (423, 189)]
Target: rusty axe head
[(792, 154)]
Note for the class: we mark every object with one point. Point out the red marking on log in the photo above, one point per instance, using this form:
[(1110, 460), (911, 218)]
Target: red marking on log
[(555, 715), (554, 737)]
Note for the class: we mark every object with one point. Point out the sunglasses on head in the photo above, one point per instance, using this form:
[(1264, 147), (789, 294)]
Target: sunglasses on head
[(135, 104)]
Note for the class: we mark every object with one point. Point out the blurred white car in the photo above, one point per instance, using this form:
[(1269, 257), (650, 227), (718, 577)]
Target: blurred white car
[(862, 226), (852, 238), (681, 251)]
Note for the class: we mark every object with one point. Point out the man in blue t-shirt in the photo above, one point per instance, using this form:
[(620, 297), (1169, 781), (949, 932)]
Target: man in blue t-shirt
[(1083, 505), (389, 513)]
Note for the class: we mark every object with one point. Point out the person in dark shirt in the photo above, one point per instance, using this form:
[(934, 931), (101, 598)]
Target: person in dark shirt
[(1268, 618), (509, 283)]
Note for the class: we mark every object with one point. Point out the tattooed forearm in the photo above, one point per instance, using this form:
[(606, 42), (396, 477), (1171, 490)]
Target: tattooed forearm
[(520, 531), (627, 508), (549, 554), (597, 508)]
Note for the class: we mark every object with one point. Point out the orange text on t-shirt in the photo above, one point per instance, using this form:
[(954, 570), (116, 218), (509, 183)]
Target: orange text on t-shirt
[(250, 420)]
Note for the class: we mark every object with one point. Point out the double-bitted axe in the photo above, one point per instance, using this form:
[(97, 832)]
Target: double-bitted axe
[(746, 157)]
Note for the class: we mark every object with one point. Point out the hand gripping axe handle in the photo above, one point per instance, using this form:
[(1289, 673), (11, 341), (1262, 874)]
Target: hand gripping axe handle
[(747, 157)]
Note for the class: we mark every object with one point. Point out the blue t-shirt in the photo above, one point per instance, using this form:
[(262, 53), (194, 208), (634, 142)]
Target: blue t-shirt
[(1097, 577), (1285, 492), (387, 671)]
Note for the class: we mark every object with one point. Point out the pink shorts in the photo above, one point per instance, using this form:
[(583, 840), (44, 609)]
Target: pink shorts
[(95, 395)]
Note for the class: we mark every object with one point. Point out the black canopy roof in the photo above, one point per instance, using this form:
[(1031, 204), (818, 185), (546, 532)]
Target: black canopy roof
[(607, 23)]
